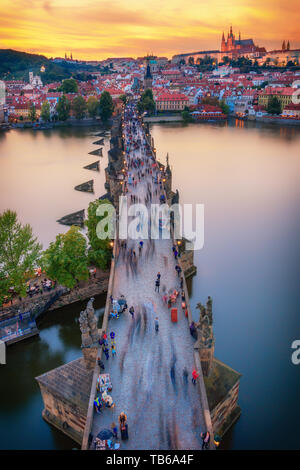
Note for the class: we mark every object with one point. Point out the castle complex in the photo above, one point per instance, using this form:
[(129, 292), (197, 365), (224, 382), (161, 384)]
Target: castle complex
[(232, 44), (238, 46)]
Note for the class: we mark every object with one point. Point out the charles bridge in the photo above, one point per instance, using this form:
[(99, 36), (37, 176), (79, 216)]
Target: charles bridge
[(163, 411)]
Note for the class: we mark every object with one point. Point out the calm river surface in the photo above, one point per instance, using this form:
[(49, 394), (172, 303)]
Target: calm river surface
[(248, 179)]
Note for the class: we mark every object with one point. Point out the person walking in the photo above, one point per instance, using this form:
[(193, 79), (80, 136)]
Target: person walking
[(205, 436), (156, 322), (157, 284), (113, 350), (158, 276), (106, 352), (193, 330), (114, 430), (131, 311), (195, 376), (123, 425), (178, 269)]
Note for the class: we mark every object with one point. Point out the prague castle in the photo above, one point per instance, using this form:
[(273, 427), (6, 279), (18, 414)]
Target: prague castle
[(239, 46)]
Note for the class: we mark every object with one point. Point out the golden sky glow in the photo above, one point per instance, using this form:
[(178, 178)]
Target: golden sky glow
[(97, 29)]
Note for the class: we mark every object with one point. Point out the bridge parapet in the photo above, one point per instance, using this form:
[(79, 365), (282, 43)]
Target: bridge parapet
[(90, 411)]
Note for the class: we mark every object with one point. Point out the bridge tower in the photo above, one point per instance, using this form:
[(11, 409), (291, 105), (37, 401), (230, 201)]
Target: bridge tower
[(148, 77)]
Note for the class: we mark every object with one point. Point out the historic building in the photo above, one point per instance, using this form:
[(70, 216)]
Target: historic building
[(171, 101), (284, 95), (239, 46)]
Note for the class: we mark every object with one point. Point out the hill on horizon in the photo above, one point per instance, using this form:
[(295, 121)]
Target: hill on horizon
[(16, 65)]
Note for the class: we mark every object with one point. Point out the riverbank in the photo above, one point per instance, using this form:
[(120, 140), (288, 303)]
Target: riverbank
[(57, 124)]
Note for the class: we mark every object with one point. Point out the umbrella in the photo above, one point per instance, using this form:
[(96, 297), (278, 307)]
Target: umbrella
[(105, 434)]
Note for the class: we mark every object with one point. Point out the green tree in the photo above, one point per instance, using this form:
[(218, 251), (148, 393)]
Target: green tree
[(92, 106), (19, 254), (69, 86), (123, 98), (79, 107), (45, 111), (32, 113), (99, 251), (274, 106), (66, 259), (186, 116), (106, 106), (63, 108), (224, 107), (146, 102)]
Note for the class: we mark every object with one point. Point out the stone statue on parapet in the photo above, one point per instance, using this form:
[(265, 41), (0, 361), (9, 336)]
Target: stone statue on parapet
[(88, 325), (204, 326), (175, 198)]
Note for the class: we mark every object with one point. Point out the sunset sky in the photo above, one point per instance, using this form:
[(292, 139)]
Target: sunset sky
[(99, 29)]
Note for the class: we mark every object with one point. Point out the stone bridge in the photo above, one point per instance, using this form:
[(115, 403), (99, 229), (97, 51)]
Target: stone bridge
[(164, 410)]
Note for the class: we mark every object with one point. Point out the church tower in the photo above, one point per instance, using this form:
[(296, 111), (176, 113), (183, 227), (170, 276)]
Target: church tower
[(223, 43), (148, 77), (283, 46)]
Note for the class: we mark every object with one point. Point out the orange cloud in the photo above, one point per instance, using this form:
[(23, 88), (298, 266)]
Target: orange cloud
[(97, 29)]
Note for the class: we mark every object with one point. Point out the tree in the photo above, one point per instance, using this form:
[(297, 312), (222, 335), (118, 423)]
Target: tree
[(186, 116), (99, 250), (106, 106), (147, 102), (92, 106), (274, 106), (45, 111), (19, 254), (123, 98), (32, 113), (69, 86), (66, 259), (79, 107), (224, 107), (63, 108), (149, 105)]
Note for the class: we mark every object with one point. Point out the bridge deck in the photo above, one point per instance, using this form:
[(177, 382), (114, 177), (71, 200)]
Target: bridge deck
[(163, 411)]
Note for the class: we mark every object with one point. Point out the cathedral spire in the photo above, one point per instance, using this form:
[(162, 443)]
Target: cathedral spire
[(283, 46)]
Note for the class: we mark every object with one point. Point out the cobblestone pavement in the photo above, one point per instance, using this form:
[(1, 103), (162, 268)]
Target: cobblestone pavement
[(163, 411)]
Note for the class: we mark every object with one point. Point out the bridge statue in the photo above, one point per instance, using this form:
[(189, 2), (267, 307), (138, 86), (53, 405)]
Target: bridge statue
[(206, 339), (88, 325)]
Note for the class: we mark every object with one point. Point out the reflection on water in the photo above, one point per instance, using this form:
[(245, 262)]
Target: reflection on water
[(38, 172), (247, 176)]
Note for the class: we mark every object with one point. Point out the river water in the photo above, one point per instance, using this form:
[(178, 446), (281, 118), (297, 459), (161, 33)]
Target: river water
[(248, 179)]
